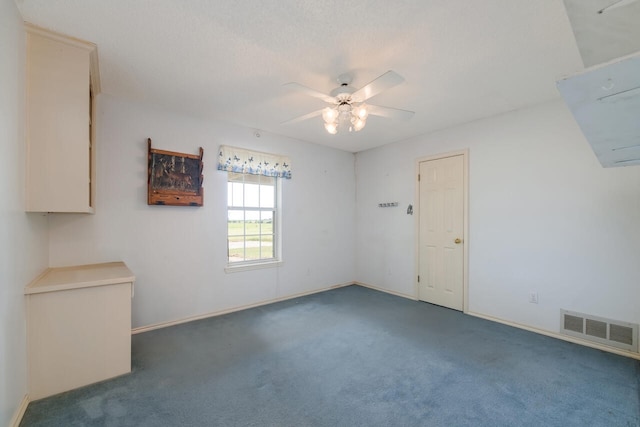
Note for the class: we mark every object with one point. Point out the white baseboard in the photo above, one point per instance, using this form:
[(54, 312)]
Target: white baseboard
[(161, 325), (558, 336), (376, 288), (551, 334), (17, 416)]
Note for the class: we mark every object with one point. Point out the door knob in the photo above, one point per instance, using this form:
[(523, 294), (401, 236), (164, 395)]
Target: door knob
[(457, 241)]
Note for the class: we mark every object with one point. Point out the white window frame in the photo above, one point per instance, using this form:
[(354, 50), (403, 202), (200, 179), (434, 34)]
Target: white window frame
[(236, 266)]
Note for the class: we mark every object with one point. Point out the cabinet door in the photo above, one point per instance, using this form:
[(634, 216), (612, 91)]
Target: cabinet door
[(78, 337), (58, 139)]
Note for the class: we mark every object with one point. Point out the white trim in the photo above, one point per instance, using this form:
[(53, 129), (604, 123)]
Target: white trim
[(376, 288), (94, 73), (63, 38), (253, 266), (557, 335), (20, 410), (416, 213), (161, 325), (277, 235)]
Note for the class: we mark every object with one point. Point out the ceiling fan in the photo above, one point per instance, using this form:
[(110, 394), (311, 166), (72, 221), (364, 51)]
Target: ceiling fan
[(347, 105)]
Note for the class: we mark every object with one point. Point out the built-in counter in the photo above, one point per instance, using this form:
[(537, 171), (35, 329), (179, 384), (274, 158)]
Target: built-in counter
[(78, 326)]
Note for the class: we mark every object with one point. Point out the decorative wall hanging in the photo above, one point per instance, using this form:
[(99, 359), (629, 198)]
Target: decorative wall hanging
[(174, 178)]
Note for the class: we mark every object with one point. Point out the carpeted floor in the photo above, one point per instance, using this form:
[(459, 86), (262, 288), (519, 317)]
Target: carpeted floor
[(353, 357)]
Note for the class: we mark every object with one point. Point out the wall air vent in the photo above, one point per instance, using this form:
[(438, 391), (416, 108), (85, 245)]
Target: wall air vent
[(609, 332)]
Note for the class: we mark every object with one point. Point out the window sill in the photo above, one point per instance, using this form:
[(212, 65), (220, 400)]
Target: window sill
[(254, 266)]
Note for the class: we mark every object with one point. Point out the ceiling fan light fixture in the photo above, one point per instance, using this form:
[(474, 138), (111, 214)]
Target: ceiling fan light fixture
[(330, 115), (361, 111), (355, 116), (358, 123), (332, 128)]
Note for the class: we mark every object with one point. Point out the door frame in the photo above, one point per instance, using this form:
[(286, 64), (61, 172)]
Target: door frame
[(465, 250)]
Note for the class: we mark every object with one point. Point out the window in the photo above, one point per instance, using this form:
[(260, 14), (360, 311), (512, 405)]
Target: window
[(252, 219)]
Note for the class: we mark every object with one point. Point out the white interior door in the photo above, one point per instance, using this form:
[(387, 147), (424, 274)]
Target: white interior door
[(441, 231)]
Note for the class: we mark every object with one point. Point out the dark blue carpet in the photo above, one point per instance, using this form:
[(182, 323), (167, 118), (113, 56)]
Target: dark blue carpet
[(353, 357)]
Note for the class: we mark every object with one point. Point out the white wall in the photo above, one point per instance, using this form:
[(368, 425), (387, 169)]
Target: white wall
[(178, 254), (543, 215), (23, 237)]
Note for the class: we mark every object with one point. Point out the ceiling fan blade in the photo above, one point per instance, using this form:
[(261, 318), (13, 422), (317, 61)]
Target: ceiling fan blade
[(391, 113), (311, 92), (384, 82), (301, 118)]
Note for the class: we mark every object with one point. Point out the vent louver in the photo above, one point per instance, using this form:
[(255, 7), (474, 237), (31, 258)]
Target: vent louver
[(596, 328), (573, 323), (610, 332), (621, 334)]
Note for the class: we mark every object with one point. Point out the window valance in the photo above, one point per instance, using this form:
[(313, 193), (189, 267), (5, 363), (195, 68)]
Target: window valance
[(240, 160)]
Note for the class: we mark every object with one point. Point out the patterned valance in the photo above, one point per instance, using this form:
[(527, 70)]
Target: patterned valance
[(239, 160)]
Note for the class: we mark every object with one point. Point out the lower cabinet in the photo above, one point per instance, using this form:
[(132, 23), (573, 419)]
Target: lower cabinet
[(78, 327)]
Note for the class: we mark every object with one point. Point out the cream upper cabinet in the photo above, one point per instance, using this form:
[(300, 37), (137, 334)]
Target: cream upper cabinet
[(62, 77)]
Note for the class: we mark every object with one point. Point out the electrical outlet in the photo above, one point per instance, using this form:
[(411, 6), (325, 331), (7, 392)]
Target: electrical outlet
[(533, 297)]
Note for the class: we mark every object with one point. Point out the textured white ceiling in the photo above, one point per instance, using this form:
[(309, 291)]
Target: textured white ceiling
[(228, 59)]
